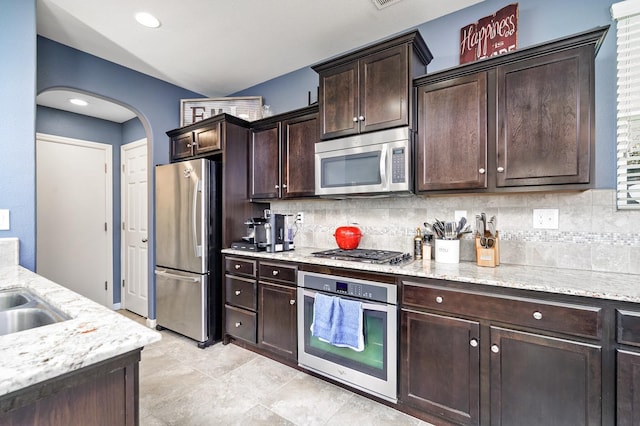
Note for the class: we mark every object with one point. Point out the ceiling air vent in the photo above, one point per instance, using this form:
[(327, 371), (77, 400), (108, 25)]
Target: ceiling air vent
[(381, 4)]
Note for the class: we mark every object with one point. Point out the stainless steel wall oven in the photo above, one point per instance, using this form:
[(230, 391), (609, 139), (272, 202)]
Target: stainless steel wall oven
[(374, 369)]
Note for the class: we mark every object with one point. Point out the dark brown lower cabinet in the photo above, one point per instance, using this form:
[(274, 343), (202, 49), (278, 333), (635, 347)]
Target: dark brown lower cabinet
[(102, 394), (537, 380), (277, 319), (440, 366), (628, 388)]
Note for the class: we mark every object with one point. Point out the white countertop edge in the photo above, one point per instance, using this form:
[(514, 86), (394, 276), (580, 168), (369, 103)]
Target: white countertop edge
[(94, 334), (599, 285)]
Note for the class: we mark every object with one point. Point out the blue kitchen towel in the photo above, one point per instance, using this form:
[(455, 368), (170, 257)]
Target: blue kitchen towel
[(347, 324), (323, 308)]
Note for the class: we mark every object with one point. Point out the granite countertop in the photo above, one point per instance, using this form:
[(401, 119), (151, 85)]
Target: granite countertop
[(601, 285), (93, 334)]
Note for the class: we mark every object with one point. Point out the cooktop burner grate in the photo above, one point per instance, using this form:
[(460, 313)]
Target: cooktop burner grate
[(364, 255)]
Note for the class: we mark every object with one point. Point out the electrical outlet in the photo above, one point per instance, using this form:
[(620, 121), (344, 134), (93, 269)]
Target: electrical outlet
[(300, 217), (4, 220), (545, 218)]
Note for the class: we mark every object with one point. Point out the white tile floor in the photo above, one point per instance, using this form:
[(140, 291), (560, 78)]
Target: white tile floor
[(181, 384)]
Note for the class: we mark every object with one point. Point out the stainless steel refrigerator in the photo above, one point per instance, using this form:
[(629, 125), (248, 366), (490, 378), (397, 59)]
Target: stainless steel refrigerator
[(188, 243)]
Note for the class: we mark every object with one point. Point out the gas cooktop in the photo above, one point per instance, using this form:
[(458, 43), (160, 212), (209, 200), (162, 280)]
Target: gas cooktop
[(365, 255)]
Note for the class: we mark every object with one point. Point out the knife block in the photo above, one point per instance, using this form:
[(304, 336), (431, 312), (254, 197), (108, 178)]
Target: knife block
[(488, 256)]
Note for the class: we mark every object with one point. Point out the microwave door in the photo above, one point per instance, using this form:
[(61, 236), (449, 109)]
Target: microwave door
[(350, 171)]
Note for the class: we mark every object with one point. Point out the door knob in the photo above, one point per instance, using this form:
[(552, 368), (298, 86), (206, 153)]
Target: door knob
[(500, 169), (144, 240)]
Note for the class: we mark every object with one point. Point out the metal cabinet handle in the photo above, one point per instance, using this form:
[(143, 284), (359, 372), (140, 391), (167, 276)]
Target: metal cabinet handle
[(238, 292), (188, 145), (439, 299), (537, 315), (284, 185), (236, 266), (238, 324), (144, 240), (495, 349), (274, 273), (292, 302), (355, 119), (277, 186), (473, 343), (500, 169), (481, 171), (361, 118)]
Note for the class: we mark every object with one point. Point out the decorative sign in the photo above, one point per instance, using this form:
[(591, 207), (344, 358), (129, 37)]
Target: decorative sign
[(490, 36), (192, 110)]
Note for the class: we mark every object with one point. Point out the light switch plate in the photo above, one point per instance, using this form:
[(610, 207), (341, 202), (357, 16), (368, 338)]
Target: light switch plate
[(545, 218), (4, 220)]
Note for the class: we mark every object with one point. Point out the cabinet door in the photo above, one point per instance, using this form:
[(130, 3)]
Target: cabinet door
[(384, 90), (440, 366), (338, 101), (277, 329), (628, 388), (538, 380), (208, 138), (181, 146), (452, 134), (265, 164), (298, 149), (545, 119)]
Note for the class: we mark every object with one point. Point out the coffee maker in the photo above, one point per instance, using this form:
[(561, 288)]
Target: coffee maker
[(279, 232), (271, 233)]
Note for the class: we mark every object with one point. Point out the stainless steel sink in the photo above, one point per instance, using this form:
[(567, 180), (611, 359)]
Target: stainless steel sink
[(12, 298), (21, 309)]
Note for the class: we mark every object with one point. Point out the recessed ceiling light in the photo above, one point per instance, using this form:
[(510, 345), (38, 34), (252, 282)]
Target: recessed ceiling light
[(147, 19), (78, 102)]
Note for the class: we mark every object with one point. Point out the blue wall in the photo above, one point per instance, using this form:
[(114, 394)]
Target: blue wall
[(17, 123), (539, 21), (156, 103)]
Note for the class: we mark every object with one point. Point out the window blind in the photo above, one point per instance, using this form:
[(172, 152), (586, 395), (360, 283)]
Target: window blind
[(627, 15)]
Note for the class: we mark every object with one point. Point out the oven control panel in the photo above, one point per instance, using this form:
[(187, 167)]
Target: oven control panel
[(380, 292)]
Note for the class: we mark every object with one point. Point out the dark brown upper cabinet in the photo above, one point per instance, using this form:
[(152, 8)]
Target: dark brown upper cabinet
[(519, 121), (370, 89), (282, 155)]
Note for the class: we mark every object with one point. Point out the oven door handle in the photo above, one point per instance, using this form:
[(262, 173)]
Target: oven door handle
[(381, 307)]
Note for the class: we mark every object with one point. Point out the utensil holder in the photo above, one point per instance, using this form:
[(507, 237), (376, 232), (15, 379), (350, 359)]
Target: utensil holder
[(447, 251), (488, 256)]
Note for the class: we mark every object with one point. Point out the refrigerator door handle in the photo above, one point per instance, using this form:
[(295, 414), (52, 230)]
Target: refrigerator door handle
[(176, 277), (197, 248)]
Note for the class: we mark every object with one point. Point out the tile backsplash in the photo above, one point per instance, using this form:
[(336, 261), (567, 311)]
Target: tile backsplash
[(592, 233)]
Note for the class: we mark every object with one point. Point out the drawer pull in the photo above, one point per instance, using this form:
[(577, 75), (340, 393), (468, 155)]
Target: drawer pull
[(439, 299), (274, 273), (237, 266), (537, 315), (292, 302), (495, 349), (238, 324), (237, 292), (473, 343)]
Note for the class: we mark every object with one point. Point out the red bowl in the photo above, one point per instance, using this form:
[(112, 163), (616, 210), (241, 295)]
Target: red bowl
[(348, 237)]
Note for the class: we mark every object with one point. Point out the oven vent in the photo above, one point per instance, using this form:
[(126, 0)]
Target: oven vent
[(381, 4)]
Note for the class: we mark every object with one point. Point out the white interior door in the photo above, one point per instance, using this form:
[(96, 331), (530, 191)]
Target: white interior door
[(74, 215), (135, 251)]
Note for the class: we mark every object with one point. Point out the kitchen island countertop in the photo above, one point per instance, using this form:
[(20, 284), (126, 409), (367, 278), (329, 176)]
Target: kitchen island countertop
[(93, 334), (601, 285)]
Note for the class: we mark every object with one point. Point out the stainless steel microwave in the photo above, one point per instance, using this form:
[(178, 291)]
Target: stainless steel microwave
[(369, 163)]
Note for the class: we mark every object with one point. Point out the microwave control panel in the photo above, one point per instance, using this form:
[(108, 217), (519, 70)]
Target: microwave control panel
[(398, 161)]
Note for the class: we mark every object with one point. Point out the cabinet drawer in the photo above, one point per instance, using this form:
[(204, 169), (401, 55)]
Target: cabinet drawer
[(236, 265), (628, 327), (278, 272), (240, 323), (240, 292), (583, 321)]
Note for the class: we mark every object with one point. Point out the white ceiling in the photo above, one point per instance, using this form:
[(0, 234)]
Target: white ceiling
[(216, 48)]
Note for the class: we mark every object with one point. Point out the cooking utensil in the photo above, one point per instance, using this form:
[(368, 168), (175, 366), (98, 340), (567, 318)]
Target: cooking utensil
[(348, 237)]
